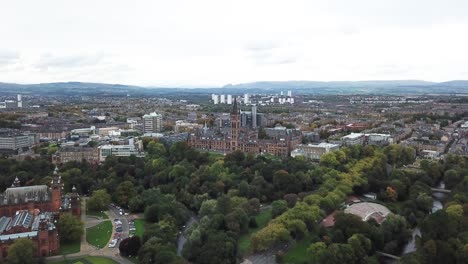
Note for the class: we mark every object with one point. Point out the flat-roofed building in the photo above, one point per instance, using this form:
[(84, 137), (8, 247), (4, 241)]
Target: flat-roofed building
[(353, 139), (17, 141), (121, 150), (313, 151), (152, 123)]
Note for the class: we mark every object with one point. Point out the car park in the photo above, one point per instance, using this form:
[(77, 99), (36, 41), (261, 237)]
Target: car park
[(113, 243)]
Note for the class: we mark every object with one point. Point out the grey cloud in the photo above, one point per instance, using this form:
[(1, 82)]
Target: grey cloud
[(48, 61), (392, 69), (8, 58), (260, 47), (269, 53)]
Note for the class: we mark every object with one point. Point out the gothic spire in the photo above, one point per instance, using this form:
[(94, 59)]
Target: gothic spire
[(235, 110)]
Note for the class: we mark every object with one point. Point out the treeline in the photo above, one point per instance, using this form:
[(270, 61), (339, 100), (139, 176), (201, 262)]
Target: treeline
[(176, 182), (445, 232)]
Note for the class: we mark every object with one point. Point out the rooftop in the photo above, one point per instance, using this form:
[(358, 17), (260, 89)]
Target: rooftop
[(18, 235), (367, 211)]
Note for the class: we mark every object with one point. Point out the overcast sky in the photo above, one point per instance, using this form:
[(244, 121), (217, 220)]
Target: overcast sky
[(212, 43)]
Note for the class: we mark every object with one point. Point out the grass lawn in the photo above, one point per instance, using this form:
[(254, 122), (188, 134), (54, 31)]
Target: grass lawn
[(70, 247), (99, 235), (86, 260), (262, 220), (98, 214), (140, 227), (298, 253)]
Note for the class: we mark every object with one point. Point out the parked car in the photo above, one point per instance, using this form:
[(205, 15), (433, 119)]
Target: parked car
[(113, 243)]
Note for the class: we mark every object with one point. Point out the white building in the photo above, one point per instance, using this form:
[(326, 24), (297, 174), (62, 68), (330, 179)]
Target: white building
[(222, 98), (379, 139), (313, 151), (246, 98), (15, 142), (181, 125), (20, 101), (353, 139), (133, 148), (229, 99), (370, 139), (215, 98), (152, 123)]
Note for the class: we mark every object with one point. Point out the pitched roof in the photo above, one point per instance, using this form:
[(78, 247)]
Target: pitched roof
[(25, 194)]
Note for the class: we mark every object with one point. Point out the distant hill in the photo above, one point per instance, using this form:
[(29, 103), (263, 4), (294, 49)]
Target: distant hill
[(315, 84), (458, 83), (303, 87)]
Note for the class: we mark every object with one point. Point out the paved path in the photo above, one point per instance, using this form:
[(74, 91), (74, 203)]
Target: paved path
[(266, 257), (89, 250), (183, 235)]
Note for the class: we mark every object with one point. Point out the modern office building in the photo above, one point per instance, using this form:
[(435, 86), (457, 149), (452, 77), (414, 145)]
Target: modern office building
[(132, 148), (17, 142)]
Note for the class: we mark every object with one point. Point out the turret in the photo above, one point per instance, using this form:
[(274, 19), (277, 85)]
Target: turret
[(16, 183), (75, 202), (56, 189)]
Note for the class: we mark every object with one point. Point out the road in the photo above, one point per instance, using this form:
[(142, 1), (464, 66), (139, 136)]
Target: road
[(89, 250), (114, 214)]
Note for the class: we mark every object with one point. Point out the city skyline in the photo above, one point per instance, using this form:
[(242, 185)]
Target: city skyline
[(213, 43)]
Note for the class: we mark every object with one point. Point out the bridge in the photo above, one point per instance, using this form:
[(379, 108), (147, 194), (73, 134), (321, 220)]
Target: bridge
[(383, 254), (440, 190)]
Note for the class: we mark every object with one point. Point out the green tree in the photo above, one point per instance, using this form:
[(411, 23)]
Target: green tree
[(318, 252), (153, 252), (70, 228), (224, 205), (124, 192), (21, 251), (99, 201), (278, 207), (156, 150), (208, 207)]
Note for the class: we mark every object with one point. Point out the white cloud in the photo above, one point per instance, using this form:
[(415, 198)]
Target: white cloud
[(214, 42)]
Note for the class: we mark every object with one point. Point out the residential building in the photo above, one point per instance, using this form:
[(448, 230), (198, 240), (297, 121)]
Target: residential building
[(152, 123), (77, 153)]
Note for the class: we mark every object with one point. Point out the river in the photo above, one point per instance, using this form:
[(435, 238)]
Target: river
[(437, 205)]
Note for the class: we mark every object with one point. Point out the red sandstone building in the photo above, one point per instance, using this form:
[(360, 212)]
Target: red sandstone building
[(243, 139), (32, 212)]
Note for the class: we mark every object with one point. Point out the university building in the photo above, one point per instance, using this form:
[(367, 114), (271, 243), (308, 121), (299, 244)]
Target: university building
[(32, 212), (244, 138)]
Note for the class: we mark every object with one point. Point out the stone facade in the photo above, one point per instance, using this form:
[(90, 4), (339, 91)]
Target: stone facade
[(243, 139), (31, 212)]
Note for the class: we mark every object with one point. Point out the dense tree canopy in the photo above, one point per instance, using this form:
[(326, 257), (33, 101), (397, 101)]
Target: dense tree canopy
[(175, 183), (70, 228)]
